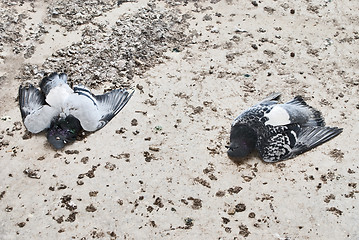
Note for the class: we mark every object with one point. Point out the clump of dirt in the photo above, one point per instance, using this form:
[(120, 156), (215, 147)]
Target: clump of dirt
[(114, 54), (78, 13)]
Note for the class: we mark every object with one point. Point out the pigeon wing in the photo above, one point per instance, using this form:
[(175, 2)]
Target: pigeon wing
[(312, 137), (284, 142), (36, 115), (277, 142), (110, 104), (30, 99), (300, 112)]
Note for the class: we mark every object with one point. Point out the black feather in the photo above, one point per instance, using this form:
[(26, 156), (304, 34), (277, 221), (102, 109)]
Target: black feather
[(30, 99)]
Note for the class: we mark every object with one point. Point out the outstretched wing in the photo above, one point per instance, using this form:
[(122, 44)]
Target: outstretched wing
[(94, 112), (284, 142), (110, 104), (36, 115), (30, 100), (312, 137)]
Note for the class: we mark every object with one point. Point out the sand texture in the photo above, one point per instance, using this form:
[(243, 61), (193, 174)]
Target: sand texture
[(159, 169)]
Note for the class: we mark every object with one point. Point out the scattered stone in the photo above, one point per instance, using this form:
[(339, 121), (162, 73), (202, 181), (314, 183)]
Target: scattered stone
[(72, 152), (225, 220), (188, 222), (32, 173), (90, 208), (21, 224), (251, 215), (71, 217), (197, 203), (231, 211), (202, 182), (235, 190), (207, 17), (121, 130), (84, 160), (335, 211), (93, 193), (110, 166), (67, 203), (8, 209), (61, 187), (153, 148), (148, 156), (329, 197), (240, 207), (243, 230), (337, 154), (2, 194), (134, 122), (158, 202), (149, 209), (269, 10)]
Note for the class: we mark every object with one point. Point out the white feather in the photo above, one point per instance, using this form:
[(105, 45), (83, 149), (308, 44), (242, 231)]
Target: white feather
[(294, 135), (277, 116), (84, 110), (58, 95), (40, 119)]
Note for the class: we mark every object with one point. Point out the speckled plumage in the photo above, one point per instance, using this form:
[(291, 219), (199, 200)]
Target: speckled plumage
[(278, 131)]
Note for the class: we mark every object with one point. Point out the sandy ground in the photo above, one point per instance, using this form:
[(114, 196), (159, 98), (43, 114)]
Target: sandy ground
[(160, 169)]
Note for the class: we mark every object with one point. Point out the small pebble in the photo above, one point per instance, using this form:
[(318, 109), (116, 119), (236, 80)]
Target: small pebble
[(254, 46), (134, 122), (231, 211)]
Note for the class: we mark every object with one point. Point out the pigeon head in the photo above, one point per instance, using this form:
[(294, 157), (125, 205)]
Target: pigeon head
[(242, 141), (63, 131)]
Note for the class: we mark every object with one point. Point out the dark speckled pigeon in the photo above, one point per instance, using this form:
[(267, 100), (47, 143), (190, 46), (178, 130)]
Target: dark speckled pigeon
[(64, 112), (278, 131)]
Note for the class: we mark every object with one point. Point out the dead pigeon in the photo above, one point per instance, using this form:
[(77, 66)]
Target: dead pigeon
[(278, 131), (64, 112)]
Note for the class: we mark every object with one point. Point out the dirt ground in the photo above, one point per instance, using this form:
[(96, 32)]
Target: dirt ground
[(159, 169)]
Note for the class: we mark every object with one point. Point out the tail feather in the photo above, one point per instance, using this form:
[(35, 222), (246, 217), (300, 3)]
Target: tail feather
[(312, 137), (51, 81)]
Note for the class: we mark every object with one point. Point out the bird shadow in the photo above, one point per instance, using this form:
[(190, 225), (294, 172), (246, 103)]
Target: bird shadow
[(246, 159)]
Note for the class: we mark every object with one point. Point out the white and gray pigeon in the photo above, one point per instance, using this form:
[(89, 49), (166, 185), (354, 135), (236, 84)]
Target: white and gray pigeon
[(278, 131), (64, 112)]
